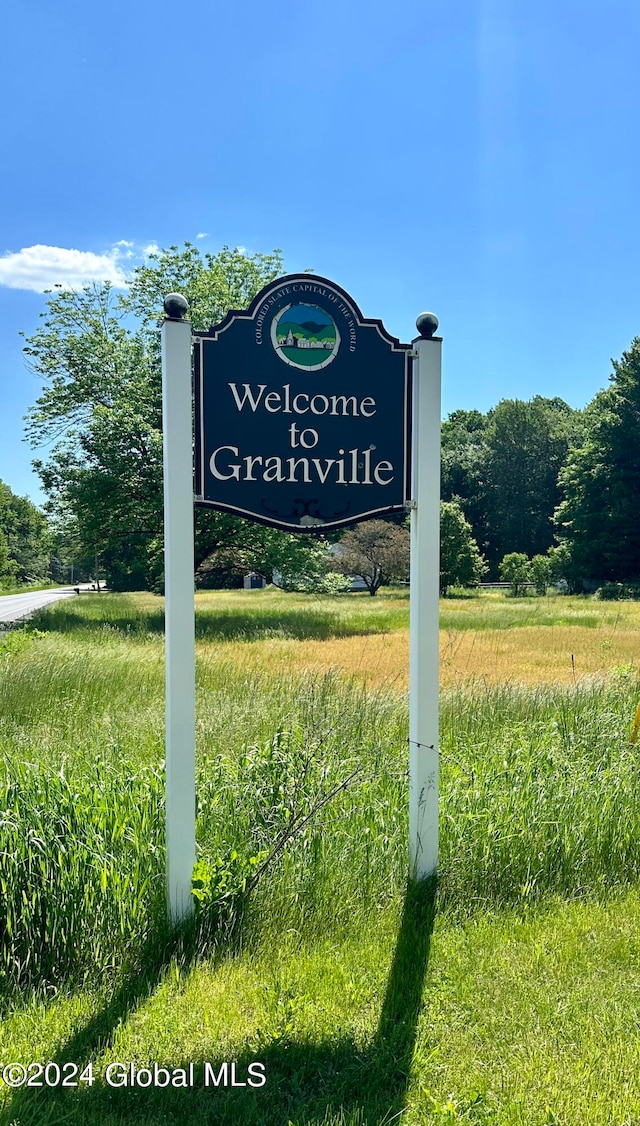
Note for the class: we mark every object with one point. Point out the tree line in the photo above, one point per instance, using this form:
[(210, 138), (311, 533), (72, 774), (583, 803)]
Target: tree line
[(25, 542), (537, 478)]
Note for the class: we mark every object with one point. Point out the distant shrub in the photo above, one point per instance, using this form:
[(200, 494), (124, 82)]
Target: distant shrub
[(329, 583), (618, 592), (515, 569), (332, 583), (540, 569)]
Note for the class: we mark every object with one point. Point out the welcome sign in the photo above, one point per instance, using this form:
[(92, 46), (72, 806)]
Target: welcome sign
[(302, 418), (302, 410)]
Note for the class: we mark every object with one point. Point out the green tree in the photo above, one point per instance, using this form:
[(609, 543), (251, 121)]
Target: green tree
[(515, 569), (7, 567), (564, 569), (24, 539), (100, 412), (461, 563), (69, 564), (540, 568), (464, 466), (502, 469), (527, 444), (375, 551), (599, 518), (295, 562)]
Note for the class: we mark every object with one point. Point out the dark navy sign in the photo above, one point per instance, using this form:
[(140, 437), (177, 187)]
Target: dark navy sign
[(301, 410)]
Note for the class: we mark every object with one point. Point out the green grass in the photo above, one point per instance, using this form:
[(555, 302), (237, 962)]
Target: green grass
[(255, 615), (510, 997), (235, 615), (499, 611), (27, 588), (507, 1018)]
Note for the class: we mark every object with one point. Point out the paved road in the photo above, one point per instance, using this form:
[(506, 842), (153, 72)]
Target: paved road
[(15, 607)]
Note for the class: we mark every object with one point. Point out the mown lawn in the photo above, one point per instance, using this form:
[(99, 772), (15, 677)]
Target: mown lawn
[(508, 994)]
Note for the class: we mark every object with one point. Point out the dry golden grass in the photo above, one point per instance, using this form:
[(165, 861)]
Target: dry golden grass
[(529, 655), (377, 658), (535, 643), (535, 655)]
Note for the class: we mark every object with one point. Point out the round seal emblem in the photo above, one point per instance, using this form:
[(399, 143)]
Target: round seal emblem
[(305, 336)]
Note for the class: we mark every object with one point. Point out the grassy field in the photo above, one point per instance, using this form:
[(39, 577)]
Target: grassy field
[(508, 994)]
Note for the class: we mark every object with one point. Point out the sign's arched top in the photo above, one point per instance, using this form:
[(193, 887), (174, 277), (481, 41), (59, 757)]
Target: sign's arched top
[(302, 410)]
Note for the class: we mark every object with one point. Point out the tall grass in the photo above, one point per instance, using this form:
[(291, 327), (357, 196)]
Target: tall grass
[(541, 792), (539, 795), (80, 877), (235, 615)]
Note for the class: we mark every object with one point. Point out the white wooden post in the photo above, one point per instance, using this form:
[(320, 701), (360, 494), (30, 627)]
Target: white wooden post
[(177, 413), (424, 601)]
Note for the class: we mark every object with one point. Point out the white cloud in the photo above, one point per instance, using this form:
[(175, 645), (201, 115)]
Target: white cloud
[(39, 268), (203, 234), (128, 248)]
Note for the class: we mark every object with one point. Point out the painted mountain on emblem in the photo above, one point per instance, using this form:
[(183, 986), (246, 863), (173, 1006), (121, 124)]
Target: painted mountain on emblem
[(305, 336)]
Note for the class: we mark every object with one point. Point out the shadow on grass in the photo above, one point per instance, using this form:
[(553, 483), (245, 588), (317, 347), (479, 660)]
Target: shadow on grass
[(39, 1106), (297, 624), (307, 1082)]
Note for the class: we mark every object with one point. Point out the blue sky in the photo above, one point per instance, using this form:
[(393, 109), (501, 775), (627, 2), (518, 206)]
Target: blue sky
[(479, 159)]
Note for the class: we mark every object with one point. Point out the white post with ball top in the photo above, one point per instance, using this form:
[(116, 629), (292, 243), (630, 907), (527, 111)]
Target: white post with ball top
[(424, 601), (177, 429)]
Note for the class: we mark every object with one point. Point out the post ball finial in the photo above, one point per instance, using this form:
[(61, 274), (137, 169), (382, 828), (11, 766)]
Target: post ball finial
[(427, 325), (175, 306)]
